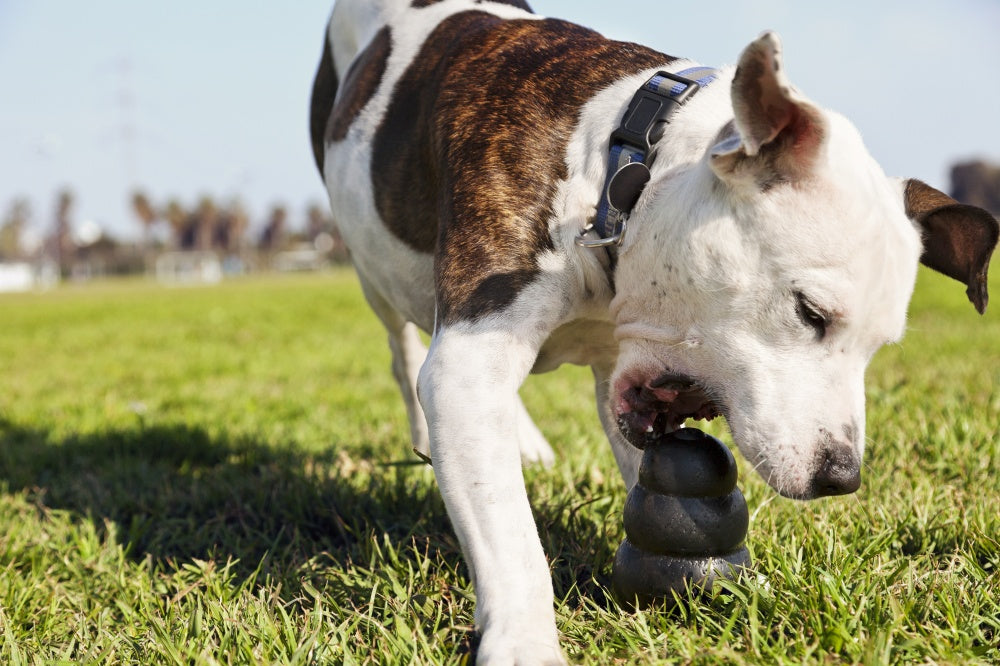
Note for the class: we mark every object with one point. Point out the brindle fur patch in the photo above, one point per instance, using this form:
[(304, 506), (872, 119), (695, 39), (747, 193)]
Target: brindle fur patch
[(323, 93), (360, 84), (468, 156)]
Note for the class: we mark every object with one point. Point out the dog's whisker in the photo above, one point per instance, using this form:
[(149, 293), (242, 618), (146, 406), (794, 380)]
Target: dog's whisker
[(761, 461)]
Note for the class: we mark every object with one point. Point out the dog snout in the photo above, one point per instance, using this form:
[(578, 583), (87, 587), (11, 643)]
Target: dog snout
[(838, 471)]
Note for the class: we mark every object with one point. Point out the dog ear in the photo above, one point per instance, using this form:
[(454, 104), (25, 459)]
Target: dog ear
[(779, 134), (958, 239)]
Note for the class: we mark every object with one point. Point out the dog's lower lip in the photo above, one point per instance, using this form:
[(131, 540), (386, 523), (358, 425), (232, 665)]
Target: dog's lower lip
[(653, 408)]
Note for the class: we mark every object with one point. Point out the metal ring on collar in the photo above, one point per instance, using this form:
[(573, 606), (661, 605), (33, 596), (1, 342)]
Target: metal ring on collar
[(615, 239)]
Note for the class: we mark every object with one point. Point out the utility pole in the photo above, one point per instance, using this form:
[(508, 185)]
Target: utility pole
[(126, 121)]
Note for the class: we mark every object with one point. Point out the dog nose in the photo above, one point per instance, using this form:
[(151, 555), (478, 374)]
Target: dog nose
[(838, 473)]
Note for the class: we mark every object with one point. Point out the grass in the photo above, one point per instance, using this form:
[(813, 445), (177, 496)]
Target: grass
[(221, 475)]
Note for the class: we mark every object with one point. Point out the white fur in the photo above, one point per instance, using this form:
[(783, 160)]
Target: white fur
[(736, 331), (704, 286)]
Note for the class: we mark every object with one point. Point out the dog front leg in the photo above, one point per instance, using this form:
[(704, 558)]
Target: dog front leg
[(468, 388)]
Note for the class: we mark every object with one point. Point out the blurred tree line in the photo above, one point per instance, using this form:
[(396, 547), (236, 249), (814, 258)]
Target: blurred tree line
[(208, 225), (171, 225), (227, 229)]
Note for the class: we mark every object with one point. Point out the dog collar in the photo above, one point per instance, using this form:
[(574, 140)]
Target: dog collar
[(632, 149)]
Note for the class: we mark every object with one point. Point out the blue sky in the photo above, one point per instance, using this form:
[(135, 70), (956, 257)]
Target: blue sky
[(190, 97)]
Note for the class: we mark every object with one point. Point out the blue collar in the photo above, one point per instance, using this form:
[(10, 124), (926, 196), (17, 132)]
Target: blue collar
[(633, 149)]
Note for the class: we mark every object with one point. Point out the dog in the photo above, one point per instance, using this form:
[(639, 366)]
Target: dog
[(709, 241)]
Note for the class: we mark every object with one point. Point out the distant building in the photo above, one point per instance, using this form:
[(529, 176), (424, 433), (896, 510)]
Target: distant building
[(977, 183)]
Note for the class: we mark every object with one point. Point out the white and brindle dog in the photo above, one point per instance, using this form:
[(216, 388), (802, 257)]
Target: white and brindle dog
[(466, 148)]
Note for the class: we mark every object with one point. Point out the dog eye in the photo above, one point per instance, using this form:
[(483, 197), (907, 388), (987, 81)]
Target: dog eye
[(811, 316)]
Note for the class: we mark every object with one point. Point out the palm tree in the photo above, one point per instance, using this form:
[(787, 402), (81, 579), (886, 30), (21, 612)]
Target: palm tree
[(62, 240), (147, 215), (14, 224), (207, 217), (273, 235), (176, 217)]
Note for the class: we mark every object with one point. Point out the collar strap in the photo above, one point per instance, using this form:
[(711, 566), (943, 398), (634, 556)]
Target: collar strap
[(633, 149)]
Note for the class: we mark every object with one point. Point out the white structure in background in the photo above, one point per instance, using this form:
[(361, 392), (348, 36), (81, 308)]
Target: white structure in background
[(16, 277), (180, 268), (25, 276), (301, 258), (305, 256)]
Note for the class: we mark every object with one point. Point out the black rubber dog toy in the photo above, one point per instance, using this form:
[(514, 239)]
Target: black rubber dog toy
[(685, 521)]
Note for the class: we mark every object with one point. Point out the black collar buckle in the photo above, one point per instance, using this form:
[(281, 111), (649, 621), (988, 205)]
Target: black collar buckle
[(650, 109)]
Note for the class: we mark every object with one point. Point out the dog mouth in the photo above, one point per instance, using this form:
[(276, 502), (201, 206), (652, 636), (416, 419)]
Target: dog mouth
[(647, 411)]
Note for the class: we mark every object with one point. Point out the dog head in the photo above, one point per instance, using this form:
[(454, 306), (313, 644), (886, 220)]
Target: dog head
[(759, 284)]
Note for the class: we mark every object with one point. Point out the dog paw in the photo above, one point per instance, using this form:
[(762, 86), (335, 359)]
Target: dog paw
[(517, 651)]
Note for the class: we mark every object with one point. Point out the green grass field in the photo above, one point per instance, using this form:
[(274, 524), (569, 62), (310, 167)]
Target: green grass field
[(222, 475)]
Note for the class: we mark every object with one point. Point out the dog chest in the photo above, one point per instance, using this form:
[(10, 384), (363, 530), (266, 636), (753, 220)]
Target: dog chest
[(580, 342)]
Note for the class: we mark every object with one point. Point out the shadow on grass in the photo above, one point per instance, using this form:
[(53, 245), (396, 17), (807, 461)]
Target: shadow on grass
[(176, 492)]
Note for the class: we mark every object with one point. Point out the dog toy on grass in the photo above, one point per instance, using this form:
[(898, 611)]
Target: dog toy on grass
[(685, 521)]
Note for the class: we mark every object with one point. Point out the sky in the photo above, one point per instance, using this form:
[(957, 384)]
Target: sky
[(192, 97)]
